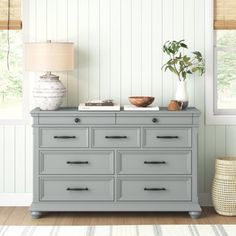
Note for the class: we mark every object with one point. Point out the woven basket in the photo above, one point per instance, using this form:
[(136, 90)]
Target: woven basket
[(224, 186)]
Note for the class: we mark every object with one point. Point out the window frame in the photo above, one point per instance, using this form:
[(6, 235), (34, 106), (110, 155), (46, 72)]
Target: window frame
[(25, 83), (213, 115)]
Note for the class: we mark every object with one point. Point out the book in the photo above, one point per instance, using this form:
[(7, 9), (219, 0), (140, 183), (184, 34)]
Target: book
[(107, 102), (83, 107), (134, 108)]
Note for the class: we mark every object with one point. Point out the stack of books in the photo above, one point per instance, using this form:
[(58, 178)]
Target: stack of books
[(99, 105)]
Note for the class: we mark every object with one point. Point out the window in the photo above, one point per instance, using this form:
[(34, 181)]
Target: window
[(11, 59), (11, 78), (220, 51), (225, 72)]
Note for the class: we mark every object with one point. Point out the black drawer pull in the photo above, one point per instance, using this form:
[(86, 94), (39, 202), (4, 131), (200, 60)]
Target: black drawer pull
[(77, 162), (115, 137), (77, 120), (64, 137), (154, 162), (168, 137), (77, 189), (154, 120), (154, 189)]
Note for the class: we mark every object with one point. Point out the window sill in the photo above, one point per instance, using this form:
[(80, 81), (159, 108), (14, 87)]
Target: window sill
[(213, 119)]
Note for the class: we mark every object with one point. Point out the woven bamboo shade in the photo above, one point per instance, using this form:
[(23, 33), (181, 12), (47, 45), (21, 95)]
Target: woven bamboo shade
[(14, 17)]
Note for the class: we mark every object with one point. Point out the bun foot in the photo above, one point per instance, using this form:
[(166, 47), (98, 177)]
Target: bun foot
[(195, 214), (36, 214)]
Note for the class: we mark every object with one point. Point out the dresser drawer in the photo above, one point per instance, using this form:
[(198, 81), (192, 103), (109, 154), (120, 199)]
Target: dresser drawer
[(153, 162), (116, 137), (167, 137), (63, 137), (154, 189), (77, 120), (76, 162), (153, 120), (76, 189)]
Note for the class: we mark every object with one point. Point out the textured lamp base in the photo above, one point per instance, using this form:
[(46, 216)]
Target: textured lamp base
[(49, 92)]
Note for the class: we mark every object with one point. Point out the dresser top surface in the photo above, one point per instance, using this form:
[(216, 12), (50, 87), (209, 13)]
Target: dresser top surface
[(75, 111)]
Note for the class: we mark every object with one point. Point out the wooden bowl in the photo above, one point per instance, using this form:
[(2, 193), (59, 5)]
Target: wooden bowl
[(141, 101)]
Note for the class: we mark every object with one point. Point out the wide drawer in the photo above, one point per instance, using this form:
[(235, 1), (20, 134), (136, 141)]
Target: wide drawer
[(63, 137), (76, 189), (153, 120), (76, 162), (153, 162), (116, 137), (167, 137), (154, 189), (77, 120)]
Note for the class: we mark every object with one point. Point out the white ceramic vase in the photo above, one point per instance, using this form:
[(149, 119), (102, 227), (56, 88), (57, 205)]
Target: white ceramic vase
[(49, 93), (182, 93)]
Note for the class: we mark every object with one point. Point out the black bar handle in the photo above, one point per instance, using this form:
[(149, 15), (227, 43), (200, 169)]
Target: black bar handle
[(64, 137), (154, 162), (168, 137), (154, 189), (77, 189), (77, 162), (115, 137)]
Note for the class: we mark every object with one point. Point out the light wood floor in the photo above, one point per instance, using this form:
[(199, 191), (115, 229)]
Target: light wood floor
[(21, 216)]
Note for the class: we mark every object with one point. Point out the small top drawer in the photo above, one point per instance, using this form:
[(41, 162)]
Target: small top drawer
[(167, 137), (115, 137), (153, 120), (63, 137), (77, 120)]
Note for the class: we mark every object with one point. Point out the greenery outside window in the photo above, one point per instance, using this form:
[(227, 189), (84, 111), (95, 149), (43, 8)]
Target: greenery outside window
[(225, 72), (11, 70)]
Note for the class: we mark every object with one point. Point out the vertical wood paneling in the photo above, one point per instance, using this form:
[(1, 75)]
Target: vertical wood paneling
[(220, 141), (29, 158), (210, 153), (178, 30), (105, 72), (72, 37), (146, 45), (115, 49), (2, 173), (83, 50), (167, 34), (51, 20), (126, 53), (20, 162), (157, 29), (136, 48), (189, 36), (9, 159), (118, 54), (94, 23), (199, 85), (230, 140), (62, 36)]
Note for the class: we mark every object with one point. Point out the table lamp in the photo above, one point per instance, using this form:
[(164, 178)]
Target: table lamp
[(49, 91)]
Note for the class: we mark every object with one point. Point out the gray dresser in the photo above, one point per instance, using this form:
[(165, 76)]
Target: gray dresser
[(115, 161)]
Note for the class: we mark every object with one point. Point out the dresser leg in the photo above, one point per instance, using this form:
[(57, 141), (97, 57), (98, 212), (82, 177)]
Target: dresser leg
[(36, 214), (194, 214)]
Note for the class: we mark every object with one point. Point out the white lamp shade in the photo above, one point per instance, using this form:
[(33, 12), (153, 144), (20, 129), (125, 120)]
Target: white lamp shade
[(49, 56)]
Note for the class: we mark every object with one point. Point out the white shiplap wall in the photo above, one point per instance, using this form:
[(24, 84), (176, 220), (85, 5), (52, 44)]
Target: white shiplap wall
[(118, 45)]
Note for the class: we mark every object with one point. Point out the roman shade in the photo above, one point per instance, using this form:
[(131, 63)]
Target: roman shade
[(225, 14), (10, 17)]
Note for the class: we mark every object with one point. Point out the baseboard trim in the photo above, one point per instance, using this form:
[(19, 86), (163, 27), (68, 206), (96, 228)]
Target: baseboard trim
[(15, 199), (25, 199)]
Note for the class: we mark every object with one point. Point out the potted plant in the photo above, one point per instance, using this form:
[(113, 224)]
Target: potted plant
[(182, 65)]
